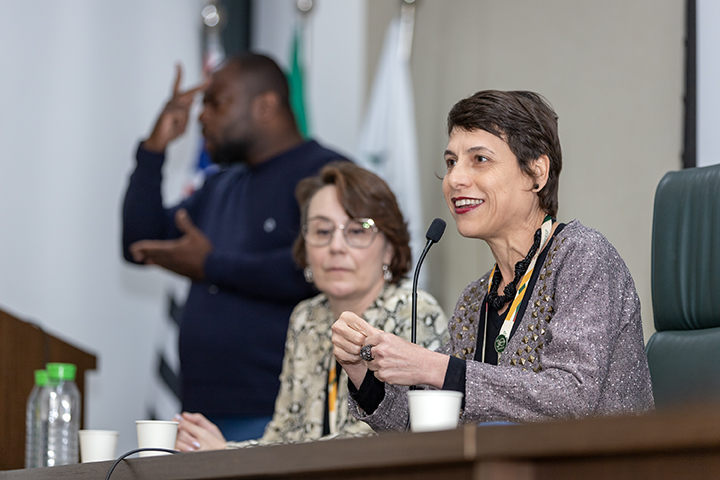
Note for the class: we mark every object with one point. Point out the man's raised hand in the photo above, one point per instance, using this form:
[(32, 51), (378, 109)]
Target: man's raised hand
[(174, 118)]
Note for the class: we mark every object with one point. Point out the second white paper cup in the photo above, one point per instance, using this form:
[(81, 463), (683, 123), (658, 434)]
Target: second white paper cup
[(156, 434), (434, 409), (97, 445)]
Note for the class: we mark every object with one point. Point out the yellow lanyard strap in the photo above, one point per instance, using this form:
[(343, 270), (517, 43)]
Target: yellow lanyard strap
[(502, 339)]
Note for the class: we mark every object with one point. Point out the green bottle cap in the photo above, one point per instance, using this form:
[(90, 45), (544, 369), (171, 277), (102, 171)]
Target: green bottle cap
[(41, 377), (61, 371)]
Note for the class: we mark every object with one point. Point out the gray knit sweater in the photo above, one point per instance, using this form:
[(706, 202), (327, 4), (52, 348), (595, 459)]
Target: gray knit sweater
[(578, 352)]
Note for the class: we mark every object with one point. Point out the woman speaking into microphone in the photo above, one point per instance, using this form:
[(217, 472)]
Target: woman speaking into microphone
[(553, 330)]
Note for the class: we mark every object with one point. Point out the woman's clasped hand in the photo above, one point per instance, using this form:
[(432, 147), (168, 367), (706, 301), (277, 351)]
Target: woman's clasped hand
[(394, 360)]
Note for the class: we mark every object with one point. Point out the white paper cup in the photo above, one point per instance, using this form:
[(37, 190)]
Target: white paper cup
[(97, 445), (434, 409), (156, 434)]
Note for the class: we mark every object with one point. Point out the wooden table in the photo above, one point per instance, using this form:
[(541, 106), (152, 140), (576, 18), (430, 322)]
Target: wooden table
[(670, 445)]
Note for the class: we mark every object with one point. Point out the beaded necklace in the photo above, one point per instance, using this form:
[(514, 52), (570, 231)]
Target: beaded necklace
[(497, 302), (523, 270)]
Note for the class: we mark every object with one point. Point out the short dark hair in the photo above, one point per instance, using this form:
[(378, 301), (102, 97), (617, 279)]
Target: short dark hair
[(523, 119), (261, 74), (363, 195)]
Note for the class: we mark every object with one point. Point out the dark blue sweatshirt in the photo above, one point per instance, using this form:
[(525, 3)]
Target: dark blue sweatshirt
[(233, 326)]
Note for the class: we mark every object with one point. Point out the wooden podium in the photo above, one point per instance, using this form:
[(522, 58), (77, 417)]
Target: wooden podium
[(24, 348), (680, 445)]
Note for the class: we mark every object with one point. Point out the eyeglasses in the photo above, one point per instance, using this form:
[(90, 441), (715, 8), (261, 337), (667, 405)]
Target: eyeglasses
[(358, 233)]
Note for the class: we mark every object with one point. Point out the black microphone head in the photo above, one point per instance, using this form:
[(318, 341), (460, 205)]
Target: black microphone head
[(436, 230)]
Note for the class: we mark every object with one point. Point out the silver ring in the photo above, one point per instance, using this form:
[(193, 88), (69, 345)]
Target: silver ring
[(366, 353)]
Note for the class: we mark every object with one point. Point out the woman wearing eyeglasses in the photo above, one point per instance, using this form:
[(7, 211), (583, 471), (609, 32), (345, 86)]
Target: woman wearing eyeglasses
[(354, 248)]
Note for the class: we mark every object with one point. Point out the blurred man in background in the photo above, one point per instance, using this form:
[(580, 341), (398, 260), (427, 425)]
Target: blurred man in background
[(232, 238)]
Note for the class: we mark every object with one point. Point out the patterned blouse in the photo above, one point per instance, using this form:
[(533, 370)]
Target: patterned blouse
[(301, 402)]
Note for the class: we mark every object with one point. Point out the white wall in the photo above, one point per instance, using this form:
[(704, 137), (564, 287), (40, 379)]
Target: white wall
[(81, 82)]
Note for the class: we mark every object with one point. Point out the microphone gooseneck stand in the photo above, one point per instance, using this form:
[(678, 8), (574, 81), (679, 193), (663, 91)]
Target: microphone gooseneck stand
[(433, 235)]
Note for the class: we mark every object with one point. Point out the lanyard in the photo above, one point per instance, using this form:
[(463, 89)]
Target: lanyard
[(502, 338), (332, 396)]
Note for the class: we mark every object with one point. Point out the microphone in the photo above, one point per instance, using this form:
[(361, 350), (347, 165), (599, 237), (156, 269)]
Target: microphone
[(433, 235)]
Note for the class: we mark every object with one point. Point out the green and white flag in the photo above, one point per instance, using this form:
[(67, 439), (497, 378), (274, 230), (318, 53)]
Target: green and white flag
[(296, 80)]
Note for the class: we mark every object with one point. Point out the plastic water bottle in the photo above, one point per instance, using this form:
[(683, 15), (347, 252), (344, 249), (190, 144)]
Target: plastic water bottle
[(35, 424), (62, 399)]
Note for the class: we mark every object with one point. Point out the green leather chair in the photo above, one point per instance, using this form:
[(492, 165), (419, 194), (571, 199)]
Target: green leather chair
[(684, 353)]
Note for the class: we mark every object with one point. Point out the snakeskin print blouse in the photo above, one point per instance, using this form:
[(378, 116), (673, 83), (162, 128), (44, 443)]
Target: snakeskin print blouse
[(300, 405)]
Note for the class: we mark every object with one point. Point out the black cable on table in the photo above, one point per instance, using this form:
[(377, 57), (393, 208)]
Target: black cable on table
[(138, 450)]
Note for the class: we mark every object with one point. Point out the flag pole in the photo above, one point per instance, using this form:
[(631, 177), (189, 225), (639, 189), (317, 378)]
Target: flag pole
[(407, 27)]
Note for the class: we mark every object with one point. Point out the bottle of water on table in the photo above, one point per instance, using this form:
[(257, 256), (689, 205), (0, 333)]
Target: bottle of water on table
[(62, 398), (35, 424)]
